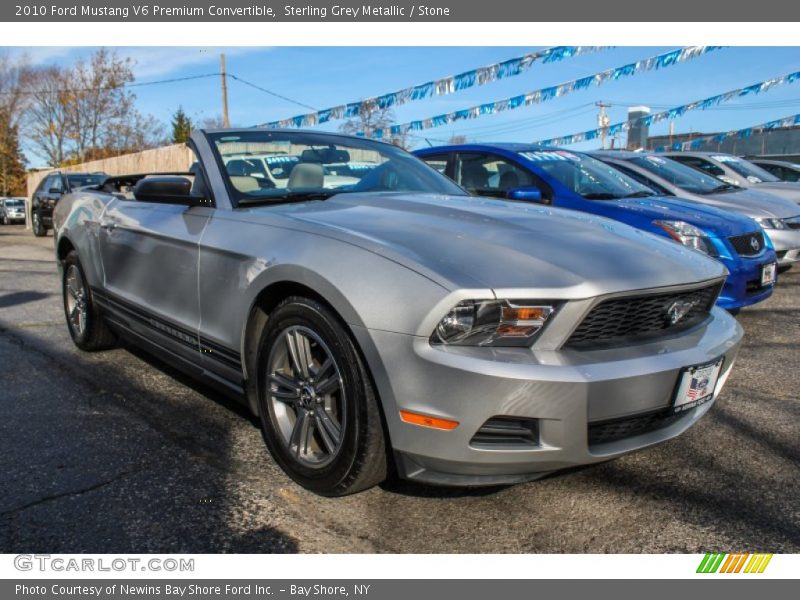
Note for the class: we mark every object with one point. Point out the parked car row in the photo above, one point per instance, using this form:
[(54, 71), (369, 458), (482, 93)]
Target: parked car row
[(743, 229), (509, 312)]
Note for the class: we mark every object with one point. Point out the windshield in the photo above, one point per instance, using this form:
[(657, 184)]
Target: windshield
[(679, 175), (15, 203), (754, 173), (81, 180), (312, 166), (587, 176)]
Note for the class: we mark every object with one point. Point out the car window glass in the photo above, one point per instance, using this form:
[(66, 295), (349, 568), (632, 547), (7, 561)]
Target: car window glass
[(437, 161), (678, 174), (303, 163), (586, 176), (700, 163), (489, 174), (643, 180), (745, 168)]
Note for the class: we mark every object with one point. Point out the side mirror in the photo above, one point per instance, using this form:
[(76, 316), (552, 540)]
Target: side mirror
[(166, 189), (526, 194)]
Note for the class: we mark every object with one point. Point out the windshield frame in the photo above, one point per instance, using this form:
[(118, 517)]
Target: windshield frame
[(444, 185)]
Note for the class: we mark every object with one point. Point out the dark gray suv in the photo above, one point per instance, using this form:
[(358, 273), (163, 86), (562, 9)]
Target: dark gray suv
[(50, 191)]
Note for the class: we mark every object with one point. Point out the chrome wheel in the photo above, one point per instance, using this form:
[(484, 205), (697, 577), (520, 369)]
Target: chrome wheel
[(305, 392), (76, 302)]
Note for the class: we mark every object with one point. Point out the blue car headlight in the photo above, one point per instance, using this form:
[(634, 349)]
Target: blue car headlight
[(689, 235)]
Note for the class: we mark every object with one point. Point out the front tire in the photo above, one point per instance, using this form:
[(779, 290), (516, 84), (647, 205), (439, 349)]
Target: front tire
[(319, 413), (85, 323), (39, 229)]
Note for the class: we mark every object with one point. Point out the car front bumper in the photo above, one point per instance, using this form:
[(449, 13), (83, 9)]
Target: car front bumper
[(787, 245), (743, 285), (565, 392)]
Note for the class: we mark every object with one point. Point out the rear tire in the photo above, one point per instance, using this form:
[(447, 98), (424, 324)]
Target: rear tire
[(319, 413), (39, 230), (85, 323)]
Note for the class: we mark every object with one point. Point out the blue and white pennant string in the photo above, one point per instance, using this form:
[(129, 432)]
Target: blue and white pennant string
[(542, 95), (789, 121), (439, 87), (672, 113)]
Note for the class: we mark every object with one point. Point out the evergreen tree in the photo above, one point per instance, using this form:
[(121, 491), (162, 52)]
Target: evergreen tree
[(181, 126)]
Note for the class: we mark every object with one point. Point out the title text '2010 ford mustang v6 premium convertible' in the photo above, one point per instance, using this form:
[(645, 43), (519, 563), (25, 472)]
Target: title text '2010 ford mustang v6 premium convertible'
[(397, 323)]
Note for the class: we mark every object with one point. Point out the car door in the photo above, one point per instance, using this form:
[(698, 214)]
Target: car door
[(150, 253)]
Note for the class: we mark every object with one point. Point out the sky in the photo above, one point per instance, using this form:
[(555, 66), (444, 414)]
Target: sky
[(322, 77)]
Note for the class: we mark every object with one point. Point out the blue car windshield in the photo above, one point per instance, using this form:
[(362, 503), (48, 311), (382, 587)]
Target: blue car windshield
[(586, 176), (313, 166), (680, 175)]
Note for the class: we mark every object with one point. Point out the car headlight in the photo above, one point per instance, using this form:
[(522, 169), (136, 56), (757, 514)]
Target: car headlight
[(768, 223), (688, 235), (492, 323)]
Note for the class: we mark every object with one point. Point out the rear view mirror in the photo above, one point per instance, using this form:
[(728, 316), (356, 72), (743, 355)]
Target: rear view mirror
[(526, 194), (166, 189), (324, 156), (54, 190)]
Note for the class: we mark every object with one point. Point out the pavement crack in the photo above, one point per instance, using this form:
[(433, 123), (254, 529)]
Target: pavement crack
[(67, 494)]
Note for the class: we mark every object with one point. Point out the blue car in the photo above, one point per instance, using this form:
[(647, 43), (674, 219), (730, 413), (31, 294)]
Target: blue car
[(577, 181)]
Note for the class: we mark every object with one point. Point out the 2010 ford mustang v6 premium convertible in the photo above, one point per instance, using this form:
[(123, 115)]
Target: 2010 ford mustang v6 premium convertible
[(396, 323)]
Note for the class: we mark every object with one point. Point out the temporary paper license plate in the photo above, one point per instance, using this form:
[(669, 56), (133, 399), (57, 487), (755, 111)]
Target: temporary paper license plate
[(696, 385), (768, 274)]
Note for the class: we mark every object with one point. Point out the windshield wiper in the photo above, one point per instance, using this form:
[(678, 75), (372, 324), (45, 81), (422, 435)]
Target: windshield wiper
[(600, 196), (642, 194), (723, 188), (297, 196)]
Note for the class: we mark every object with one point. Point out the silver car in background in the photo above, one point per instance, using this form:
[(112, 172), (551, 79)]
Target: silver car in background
[(738, 171), (782, 169), (12, 210), (780, 218), (465, 341)]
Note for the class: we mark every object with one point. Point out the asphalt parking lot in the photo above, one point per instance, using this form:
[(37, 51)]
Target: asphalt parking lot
[(116, 452)]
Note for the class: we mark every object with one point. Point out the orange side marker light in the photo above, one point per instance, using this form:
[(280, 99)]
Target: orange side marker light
[(427, 421)]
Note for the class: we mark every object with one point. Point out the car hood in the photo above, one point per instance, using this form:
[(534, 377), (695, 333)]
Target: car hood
[(753, 203), (710, 219), (785, 189), (467, 242)]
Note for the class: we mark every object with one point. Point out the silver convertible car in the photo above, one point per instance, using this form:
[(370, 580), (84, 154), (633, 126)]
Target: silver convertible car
[(398, 325)]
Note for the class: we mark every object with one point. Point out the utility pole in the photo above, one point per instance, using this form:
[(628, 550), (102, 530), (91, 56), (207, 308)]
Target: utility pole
[(602, 122), (225, 120)]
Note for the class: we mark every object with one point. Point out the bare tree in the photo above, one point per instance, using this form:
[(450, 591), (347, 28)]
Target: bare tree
[(374, 117), (47, 122), (98, 101)]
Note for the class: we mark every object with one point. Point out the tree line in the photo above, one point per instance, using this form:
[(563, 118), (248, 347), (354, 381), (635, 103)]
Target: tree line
[(70, 114)]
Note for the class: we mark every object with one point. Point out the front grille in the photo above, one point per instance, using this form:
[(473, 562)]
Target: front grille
[(748, 244), (507, 432), (631, 319), (626, 427)]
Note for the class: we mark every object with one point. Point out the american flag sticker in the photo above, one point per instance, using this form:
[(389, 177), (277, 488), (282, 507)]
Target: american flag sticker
[(696, 385)]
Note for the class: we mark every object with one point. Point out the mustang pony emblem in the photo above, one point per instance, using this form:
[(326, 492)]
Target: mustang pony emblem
[(754, 243), (679, 309)]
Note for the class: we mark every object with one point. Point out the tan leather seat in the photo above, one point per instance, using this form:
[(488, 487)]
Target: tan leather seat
[(307, 175), (245, 184)]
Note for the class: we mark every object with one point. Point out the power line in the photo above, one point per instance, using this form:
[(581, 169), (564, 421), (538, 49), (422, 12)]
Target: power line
[(109, 88), (270, 92)]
